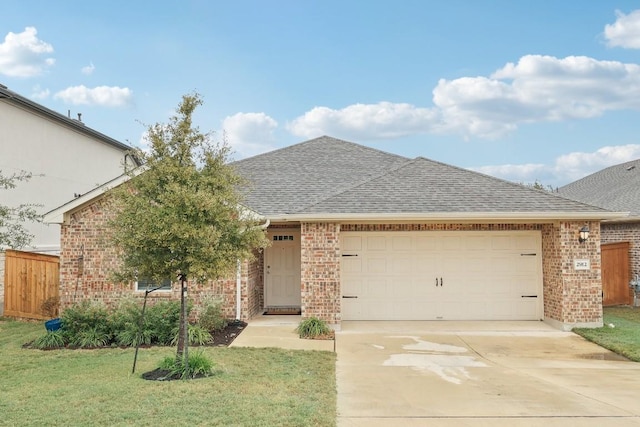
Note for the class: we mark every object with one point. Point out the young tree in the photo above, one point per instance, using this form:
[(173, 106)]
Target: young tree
[(180, 214), (13, 234)]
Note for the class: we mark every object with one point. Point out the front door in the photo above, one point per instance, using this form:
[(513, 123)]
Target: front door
[(282, 269)]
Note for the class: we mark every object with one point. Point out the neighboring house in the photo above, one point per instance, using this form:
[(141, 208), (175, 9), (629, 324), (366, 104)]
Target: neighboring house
[(360, 234), (66, 157), (614, 188)]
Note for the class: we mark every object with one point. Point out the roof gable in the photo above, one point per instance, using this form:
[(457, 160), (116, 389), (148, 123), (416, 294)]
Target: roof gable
[(291, 178), (614, 188)]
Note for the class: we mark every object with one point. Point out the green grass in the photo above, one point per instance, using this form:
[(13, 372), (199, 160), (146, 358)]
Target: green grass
[(250, 387), (624, 338)]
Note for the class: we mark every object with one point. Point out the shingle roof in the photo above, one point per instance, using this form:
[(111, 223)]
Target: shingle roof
[(423, 185), (291, 178), (330, 176), (614, 188)]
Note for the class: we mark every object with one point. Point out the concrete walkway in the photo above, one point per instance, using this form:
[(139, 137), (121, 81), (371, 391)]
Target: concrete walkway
[(480, 374), (278, 331)]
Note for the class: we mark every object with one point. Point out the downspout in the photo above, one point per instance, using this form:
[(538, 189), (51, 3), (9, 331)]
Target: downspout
[(238, 288), (239, 277)]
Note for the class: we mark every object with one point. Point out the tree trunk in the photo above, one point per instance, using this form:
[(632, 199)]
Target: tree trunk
[(182, 353)]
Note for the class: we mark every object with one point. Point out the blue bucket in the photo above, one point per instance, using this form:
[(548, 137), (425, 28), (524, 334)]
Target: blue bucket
[(53, 324)]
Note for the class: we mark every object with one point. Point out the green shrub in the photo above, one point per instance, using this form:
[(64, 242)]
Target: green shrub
[(197, 335), (162, 319), (86, 318), (211, 317), (90, 338), (199, 365), (312, 328), (53, 339)]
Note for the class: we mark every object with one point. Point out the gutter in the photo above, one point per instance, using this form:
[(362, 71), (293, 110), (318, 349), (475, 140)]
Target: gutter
[(490, 217)]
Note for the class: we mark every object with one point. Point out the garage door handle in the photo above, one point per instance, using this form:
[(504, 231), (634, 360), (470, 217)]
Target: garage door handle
[(349, 254), (349, 296), (529, 296), (437, 282)]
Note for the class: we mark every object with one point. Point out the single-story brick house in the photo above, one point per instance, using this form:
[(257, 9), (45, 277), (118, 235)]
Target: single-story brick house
[(614, 188), (360, 234)]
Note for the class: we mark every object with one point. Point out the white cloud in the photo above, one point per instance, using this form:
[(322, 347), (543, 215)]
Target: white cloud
[(107, 96), (567, 167), (24, 55), (39, 93), (625, 32), (250, 133), (535, 89), (365, 121), (88, 69)]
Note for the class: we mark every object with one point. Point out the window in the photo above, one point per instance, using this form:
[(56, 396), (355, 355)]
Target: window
[(144, 284), (276, 238)]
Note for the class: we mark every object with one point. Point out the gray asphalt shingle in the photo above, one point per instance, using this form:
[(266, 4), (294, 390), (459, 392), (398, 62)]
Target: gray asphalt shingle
[(327, 175), (615, 188)]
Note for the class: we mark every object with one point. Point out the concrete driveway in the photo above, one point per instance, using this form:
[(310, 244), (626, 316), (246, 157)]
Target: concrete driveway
[(480, 374)]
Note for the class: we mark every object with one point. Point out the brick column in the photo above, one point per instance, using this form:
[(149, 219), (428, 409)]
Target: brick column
[(572, 298), (320, 259)]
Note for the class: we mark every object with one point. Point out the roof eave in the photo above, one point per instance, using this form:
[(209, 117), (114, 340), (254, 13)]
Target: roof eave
[(540, 217)]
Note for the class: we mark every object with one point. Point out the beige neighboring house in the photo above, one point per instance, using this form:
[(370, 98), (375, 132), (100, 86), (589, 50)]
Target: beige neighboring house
[(66, 157), (360, 234)]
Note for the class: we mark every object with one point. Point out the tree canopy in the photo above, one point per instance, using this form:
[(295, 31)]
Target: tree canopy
[(181, 212), (13, 233)]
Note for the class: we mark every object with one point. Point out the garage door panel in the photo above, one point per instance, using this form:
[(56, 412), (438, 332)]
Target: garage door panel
[(352, 265), (401, 264), (451, 243), (484, 276), (351, 243), (426, 243), (376, 265), (477, 243), (403, 243), (425, 264), (375, 243)]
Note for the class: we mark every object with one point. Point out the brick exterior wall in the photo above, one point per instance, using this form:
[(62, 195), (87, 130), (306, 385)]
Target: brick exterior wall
[(625, 232), (87, 262), (571, 297), (320, 271)]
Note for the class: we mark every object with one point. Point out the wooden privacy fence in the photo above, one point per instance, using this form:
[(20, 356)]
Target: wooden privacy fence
[(615, 274), (30, 280)]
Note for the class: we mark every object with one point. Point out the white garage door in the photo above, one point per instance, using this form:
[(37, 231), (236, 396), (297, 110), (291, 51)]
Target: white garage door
[(441, 275)]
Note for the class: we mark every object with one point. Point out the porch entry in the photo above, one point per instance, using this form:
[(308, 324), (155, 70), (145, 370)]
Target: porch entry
[(282, 270)]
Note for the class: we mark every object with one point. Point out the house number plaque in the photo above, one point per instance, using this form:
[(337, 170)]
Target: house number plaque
[(582, 264)]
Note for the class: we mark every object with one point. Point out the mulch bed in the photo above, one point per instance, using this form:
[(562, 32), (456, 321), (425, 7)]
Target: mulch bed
[(224, 337), (220, 338)]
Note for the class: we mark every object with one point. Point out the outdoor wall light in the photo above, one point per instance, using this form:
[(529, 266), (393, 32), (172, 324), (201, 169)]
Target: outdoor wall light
[(584, 234)]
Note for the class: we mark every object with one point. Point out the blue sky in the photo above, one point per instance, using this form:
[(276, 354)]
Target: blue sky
[(543, 90)]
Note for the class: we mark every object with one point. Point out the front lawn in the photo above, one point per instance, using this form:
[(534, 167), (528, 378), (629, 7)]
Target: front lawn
[(620, 333), (250, 387)]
